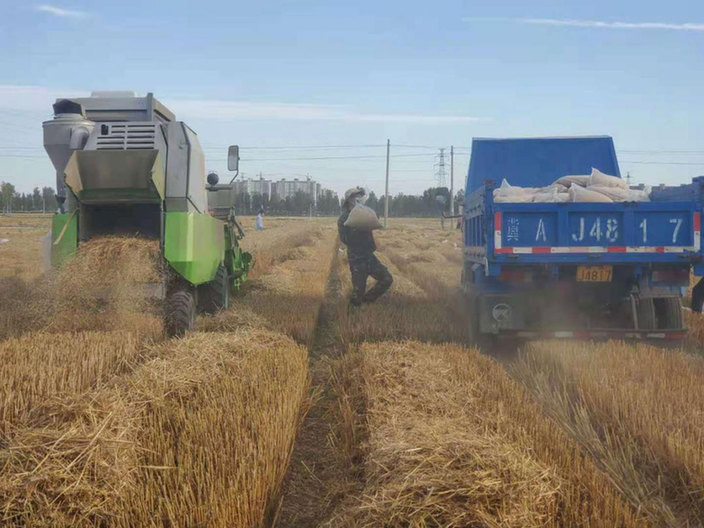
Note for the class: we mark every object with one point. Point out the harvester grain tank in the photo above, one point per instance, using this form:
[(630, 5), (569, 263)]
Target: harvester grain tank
[(574, 270), (126, 166)]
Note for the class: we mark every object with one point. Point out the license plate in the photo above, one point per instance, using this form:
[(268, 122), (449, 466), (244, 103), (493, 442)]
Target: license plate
[(594, 273)]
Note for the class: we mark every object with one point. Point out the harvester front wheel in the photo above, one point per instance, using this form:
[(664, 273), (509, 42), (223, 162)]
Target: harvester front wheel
[(215, 295), (180, 313)]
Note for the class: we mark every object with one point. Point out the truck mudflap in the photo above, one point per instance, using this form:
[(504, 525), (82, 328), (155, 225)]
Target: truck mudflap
[(668, 335)]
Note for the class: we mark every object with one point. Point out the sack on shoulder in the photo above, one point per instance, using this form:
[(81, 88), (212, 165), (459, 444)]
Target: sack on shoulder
[(363, 218)]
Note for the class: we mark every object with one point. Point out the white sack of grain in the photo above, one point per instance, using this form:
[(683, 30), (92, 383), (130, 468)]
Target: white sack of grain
[(549, 195), (363, 218), (580, 194), (514, 198), (570, 180), (617, 194), (552, 194), (513, 194), (640, 195), (598, 178)]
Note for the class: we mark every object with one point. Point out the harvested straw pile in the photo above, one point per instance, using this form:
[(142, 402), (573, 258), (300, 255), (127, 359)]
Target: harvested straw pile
[(429, 462), (277, 245), (640, 412), (288, 297), (16, 312), (218, 423), (200, 435), (73, 465), (41, 366), (107, 285), (695, 331), (407, 310), (452, 441)]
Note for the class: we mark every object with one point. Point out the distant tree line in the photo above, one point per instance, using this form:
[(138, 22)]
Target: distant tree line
[(300, 204), (432, 202), (39, 200)]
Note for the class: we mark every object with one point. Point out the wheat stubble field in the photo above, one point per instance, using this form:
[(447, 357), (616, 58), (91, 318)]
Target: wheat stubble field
[(289, 410)]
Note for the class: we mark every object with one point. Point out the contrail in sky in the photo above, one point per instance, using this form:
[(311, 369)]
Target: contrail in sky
[(601, 24)]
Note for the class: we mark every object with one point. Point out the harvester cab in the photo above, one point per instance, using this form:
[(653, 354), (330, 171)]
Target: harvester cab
[(126, 166)]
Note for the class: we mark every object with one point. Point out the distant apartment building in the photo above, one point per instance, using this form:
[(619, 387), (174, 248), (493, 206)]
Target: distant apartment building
[(254, 186), (283, 188)]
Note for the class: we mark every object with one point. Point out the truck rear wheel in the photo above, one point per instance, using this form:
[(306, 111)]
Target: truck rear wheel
[(645, 310), (215, 295), (180, 313), (669, 313), (485, 342)]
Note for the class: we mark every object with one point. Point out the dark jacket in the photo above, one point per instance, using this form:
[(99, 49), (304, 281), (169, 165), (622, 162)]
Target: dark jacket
[(358, 242)]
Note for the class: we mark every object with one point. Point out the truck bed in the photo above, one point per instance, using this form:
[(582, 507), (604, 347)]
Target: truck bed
[(579, 233)]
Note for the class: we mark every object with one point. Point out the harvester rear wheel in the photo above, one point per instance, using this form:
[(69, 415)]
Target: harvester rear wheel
[(180, 313), (645, 310), (215, 295)]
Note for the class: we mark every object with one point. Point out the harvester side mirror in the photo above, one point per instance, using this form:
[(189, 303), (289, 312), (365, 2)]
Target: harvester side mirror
[(233, 158)]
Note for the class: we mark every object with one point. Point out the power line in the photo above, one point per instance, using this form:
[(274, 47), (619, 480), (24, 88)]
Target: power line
[(336, 157), (663, 163), (661, 151), (307, 147)]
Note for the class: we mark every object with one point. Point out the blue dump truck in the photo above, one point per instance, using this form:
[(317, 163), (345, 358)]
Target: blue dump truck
[(574, 270)]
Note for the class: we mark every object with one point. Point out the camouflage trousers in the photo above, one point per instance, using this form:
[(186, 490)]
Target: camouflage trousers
[(361, 268)]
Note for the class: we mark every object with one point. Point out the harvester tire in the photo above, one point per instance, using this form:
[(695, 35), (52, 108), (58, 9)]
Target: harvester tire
[(215, 295), (180, 313), (669, 313), (645, 310)]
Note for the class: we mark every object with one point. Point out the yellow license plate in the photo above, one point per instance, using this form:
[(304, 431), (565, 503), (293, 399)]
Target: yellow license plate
[(594, 273)]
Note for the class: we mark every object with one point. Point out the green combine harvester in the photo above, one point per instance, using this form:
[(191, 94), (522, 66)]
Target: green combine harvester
[(126, 166)]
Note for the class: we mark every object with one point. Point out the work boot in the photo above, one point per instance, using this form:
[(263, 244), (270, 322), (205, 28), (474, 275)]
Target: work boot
[(353, 304)]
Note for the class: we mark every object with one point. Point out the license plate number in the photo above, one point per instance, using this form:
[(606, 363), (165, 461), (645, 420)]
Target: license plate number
[(594, 273)]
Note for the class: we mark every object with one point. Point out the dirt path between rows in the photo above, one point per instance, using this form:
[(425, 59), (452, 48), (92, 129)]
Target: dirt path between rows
[(318, 476)]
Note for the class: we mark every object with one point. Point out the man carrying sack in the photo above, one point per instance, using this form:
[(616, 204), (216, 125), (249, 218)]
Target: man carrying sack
[(355, 227)]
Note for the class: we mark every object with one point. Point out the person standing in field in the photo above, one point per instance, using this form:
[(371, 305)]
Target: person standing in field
[(360, 254), (698, 296), (259, 221)]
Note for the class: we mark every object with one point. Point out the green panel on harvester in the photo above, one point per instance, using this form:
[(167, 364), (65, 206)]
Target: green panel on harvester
[(64, 227), (194, 245)]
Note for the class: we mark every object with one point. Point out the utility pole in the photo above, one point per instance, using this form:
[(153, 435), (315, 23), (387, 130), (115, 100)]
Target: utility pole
[(452, 180), (386, 193)]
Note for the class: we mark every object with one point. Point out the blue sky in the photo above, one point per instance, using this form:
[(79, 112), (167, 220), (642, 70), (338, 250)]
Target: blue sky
[(430, 74)]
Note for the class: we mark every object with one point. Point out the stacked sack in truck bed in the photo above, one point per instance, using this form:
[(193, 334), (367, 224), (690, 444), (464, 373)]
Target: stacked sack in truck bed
[(594, 187)]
